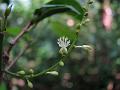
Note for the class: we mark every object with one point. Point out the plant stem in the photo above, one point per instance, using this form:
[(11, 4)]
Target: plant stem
[(56, 64), (43, 72), (2, 29), (1, 52), (50, 68), (12, 74), (18, 56)]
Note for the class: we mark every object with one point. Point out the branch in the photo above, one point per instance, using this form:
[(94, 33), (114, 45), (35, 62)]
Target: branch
[(21, 53), (43, 72), (12, 74), (49, 69), (16, 39), (17, 58)]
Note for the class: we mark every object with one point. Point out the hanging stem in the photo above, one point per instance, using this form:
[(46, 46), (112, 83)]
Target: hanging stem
[(46, 70)]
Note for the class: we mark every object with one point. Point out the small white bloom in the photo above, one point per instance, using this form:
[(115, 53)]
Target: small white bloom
[(63, 42)]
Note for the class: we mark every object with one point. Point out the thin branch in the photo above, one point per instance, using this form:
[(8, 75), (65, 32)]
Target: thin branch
[(12, 74), (56, 64), (43, 72), (11, 45), (16, 39), (21, 53), (17, 58), (50, 68), (31, 76)]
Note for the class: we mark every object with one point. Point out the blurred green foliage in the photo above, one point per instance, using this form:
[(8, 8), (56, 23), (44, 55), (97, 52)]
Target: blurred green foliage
[(3, 86)]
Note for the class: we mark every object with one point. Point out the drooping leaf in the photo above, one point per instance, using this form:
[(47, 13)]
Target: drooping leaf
[(49, 10), (59, 6), (72, 3)]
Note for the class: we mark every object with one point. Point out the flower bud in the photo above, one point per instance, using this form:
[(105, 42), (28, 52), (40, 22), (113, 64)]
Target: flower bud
[(21, 72), (53, 73), (61, 63), (31, 71), (7, 11), (87, 47), (87, 20), (63, 51), (29, 84)]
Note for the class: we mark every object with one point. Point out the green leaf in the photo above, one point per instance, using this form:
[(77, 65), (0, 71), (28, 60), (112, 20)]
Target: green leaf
[(73, 4), (59, 6), (62, 30)]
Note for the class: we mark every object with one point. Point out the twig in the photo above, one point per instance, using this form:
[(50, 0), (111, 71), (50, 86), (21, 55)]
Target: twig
[(17, 58), (21, 53), (12, 74), (16, 39)]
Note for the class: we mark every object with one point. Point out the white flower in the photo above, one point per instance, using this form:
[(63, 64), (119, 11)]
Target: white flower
[(63, 42)]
